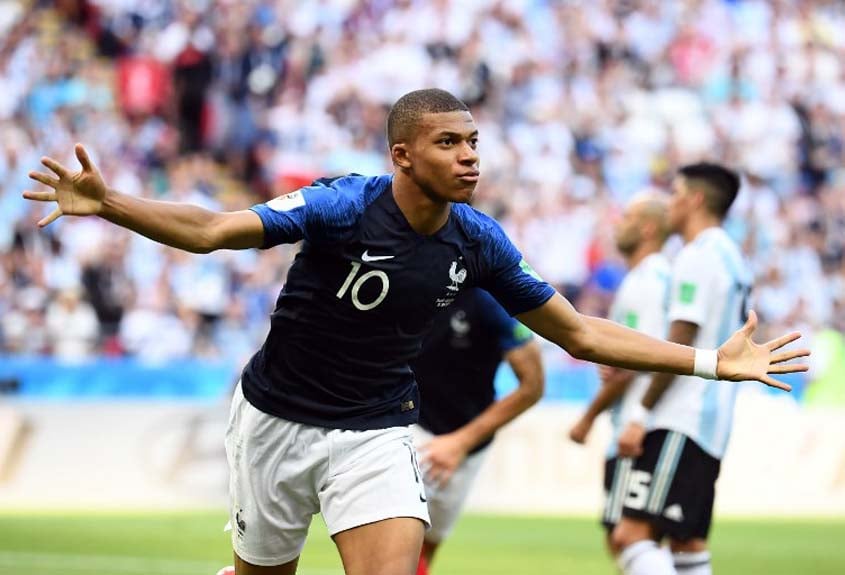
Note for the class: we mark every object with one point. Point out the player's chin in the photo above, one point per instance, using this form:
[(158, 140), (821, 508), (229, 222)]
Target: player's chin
[(463, 193)]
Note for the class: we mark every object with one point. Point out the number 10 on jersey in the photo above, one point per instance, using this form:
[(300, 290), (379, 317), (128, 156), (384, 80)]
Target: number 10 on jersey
[(357, 284)]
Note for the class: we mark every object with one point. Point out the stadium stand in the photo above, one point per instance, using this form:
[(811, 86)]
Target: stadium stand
[(580, 104)]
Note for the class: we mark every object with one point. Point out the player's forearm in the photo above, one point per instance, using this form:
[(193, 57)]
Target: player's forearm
[(182, 226), (495, 417), (606, 342), (527, 364), (659, 384), (680, 332), (603, 341), (609, 393)]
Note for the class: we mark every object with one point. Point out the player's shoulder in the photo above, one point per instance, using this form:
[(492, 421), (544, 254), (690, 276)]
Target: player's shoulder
[(713, 239), (353, 189), (714, 245), (658, 264), (475, 224), (703, 247)]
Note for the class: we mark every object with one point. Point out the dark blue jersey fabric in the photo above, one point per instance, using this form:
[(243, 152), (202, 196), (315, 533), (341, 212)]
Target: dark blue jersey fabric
[(460, 356), (361, 295)]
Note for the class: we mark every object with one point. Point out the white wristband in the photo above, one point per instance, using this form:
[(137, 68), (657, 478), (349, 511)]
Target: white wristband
[(705, 363), (638, 414)]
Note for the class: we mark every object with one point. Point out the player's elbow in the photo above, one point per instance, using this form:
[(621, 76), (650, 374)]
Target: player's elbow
[(534, 388), (202, 246), (210, 237), (582, 345)]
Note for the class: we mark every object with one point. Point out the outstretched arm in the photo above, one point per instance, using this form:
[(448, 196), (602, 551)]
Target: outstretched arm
[(602, 341), (182, 226), (444, 453)]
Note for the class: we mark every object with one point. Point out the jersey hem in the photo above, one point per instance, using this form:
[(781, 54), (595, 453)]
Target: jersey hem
[(358, 423)]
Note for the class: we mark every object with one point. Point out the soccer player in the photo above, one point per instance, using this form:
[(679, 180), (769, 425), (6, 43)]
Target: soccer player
[(459, 413), (320, 422), (679, 431), (640, 303)]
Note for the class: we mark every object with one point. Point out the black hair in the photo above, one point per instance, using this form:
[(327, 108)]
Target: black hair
[(720, 185), (407, 111)]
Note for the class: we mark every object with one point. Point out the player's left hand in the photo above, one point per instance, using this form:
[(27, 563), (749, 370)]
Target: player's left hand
[(442, 456), (631, 440), (740, 359), (579, 432)]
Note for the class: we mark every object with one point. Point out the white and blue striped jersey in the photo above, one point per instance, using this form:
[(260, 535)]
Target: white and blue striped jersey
[(640, 303), (710, 287)]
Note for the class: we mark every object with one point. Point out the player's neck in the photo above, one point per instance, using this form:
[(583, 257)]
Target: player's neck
[(424, 214), (698, 224), (642, 252)]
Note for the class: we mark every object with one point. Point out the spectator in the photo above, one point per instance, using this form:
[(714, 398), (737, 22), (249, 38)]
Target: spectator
[(72, 327)]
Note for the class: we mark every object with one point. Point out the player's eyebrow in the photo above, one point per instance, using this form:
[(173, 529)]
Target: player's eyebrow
[(453, 134)]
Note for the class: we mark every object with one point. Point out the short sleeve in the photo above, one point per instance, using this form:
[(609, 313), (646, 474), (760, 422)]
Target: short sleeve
[(508, 277), (323, 211), (692, 282), (510, 333)]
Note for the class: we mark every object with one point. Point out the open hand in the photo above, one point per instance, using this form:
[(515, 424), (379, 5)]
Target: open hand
[(76, 193), (740, 359), (442, 456)]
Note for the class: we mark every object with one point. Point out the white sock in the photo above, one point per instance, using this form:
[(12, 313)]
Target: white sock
[(697, 563), (645, 558)]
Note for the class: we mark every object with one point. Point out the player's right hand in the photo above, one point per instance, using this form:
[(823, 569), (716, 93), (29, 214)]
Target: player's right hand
[(581, 430), (76, 193)]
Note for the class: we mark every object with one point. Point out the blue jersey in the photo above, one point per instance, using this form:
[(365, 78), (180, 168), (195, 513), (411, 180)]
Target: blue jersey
[(361, 295), (459, 360)]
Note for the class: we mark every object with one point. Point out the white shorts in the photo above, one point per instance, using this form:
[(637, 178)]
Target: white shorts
[(281, 473), (445, 503)]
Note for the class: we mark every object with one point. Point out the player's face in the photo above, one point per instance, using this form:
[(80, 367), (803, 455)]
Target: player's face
[(628, 229), (444, 156), (680, 204)]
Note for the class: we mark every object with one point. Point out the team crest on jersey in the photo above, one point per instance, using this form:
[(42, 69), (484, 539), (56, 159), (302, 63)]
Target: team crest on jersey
[(457, 276), (287, 202)]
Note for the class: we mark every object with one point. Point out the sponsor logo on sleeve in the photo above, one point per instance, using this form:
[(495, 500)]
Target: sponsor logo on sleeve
[(521, 333), (287, 202), (526, 268), (687, 293)]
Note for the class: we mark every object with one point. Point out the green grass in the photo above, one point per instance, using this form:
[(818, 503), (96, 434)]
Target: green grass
[(193, 543)]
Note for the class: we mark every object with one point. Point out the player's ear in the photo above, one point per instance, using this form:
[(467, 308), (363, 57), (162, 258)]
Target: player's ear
[(699, 197), (648, 228), (399, 155)]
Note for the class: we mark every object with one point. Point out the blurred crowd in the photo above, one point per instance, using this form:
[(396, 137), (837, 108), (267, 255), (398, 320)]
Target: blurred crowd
[(580, 104)]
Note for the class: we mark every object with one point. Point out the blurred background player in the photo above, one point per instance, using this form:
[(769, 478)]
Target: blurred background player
[(679, 432), (640, 303), (459, 413)]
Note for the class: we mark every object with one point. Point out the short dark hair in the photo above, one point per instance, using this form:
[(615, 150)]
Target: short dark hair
[(408, 110), (720, 185)]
